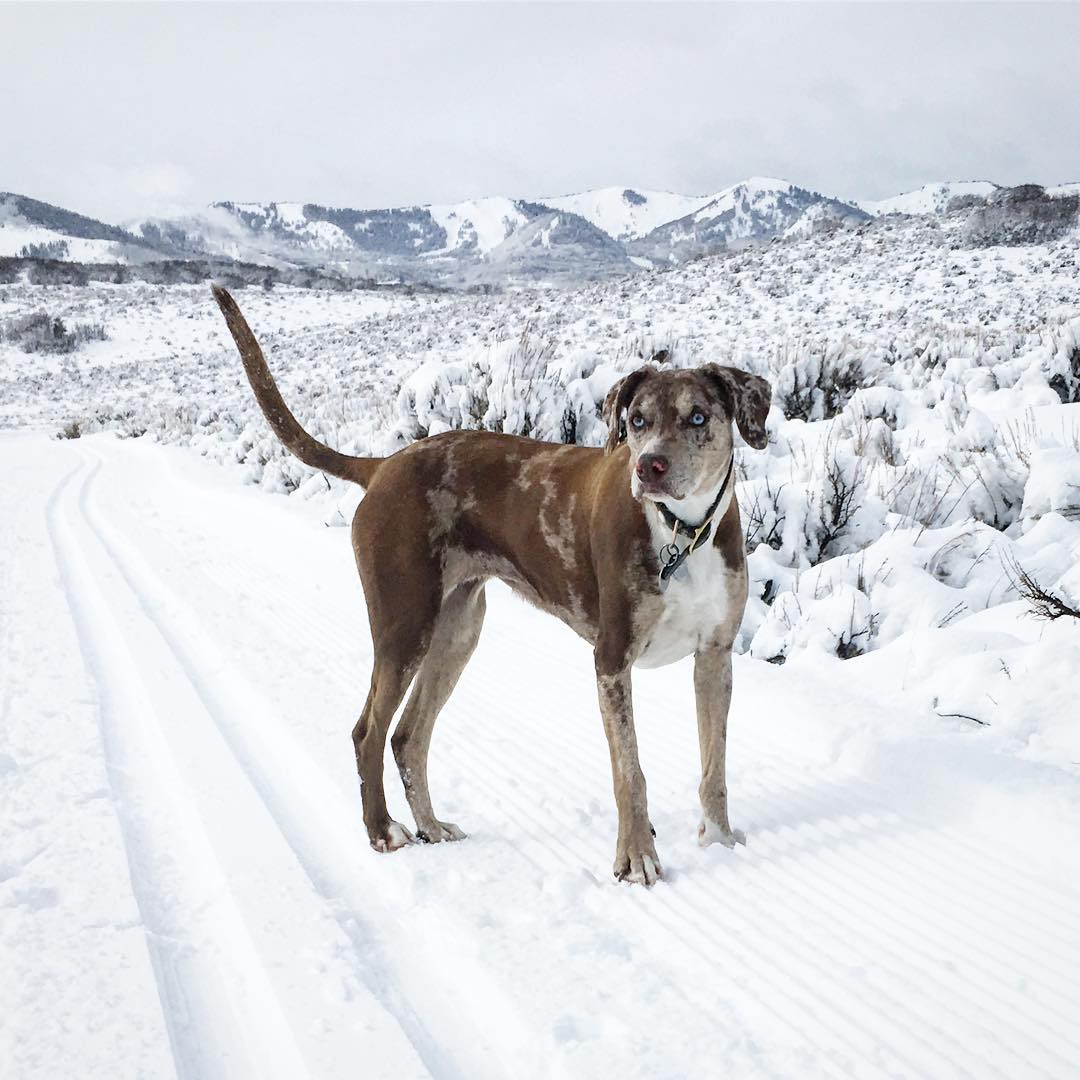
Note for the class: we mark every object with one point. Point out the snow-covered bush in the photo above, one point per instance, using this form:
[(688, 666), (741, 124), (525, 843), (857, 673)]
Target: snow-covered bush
[(42, 332), (814, 382), (1053, 485), (1042, 602), (508, 388), (1063, 365), (517, 387)]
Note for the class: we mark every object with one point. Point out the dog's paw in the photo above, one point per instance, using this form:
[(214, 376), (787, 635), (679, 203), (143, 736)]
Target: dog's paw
[(394, 836), (439, 832), (638, 865), (709, 832)]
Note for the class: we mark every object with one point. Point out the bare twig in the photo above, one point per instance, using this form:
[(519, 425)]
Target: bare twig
[(962, 716), (1043, 604)]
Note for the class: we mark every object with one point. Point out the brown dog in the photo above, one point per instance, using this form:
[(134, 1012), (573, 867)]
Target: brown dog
[(638, 547)]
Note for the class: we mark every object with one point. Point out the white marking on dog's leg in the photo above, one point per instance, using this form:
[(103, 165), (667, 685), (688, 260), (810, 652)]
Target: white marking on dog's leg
[(709, 832), (394, 836)]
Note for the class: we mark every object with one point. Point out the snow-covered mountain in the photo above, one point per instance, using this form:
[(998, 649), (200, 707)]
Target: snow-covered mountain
[(1064, 189), (479, 225), (596, 234), (471, 228), (591, 235), (457, 243), (39, 229), (929, 199), (554, 246), (628, 213), (751, 211)]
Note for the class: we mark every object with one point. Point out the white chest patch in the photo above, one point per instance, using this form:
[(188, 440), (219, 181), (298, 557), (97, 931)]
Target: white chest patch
[(695, 602)]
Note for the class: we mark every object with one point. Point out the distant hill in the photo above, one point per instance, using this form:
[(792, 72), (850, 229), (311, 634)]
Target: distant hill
[(590, 235), (749, 212), (497, 240), (628, 213), (31, 227), (929, 199)]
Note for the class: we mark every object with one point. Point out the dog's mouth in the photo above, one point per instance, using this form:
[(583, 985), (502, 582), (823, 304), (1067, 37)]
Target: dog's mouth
[(654, 489)]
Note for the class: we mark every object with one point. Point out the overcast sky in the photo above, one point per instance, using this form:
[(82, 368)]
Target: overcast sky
[(123, 110)]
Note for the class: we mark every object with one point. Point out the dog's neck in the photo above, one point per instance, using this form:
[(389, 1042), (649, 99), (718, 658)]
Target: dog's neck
[(693, 509)]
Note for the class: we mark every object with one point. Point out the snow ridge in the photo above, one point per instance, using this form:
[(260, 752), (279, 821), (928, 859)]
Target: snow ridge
[(929, 199), (628, 213)]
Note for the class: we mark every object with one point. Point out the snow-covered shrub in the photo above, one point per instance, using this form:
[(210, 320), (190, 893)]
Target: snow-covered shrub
[(841, 515), (813, 382), (512, 388), (1042, 602), (518, 387), (764, 512), (1053, 483), (127, 423), (520, 396), (839, 622), (42, 332), (1062, 367)]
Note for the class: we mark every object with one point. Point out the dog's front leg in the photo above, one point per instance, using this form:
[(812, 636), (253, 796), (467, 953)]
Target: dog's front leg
[(635, 854), (712, 689)]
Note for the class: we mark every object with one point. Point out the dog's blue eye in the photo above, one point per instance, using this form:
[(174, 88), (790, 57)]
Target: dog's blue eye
[(637, 421), (697, 418)]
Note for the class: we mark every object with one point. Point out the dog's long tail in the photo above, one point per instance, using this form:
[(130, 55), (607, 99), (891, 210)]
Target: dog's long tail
[(309, 450)]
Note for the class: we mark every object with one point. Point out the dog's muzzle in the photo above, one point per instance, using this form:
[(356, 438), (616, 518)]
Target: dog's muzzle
[(652, 471)]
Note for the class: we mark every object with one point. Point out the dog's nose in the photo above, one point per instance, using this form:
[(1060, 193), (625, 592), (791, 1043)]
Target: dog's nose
[(652, 466)]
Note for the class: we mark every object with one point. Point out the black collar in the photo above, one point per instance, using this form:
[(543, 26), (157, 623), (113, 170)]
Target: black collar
[(671, 555)]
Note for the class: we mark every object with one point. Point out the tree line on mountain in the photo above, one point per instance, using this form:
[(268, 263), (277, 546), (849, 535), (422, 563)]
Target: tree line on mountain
[(64, 221), (50, 249), (233, 275), (1019, 215)]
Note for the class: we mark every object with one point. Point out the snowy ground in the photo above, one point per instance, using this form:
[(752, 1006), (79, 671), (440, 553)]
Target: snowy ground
[(185, 888)]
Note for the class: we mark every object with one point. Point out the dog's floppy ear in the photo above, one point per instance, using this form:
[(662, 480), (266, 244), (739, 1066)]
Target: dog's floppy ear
[(619, 396), (749, 397)]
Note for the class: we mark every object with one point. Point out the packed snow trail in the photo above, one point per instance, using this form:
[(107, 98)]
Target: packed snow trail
[(184, 657)]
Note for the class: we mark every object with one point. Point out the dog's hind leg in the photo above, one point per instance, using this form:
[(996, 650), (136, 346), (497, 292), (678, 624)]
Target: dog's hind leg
[(388, 685), (403, 589), (398, 656), (452, 643)]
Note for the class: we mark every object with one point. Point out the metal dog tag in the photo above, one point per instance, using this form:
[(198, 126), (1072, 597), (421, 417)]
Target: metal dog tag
[(668, 554), (671, 559)]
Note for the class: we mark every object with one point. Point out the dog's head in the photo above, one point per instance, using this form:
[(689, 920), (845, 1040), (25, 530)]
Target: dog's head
[(678, 426)]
